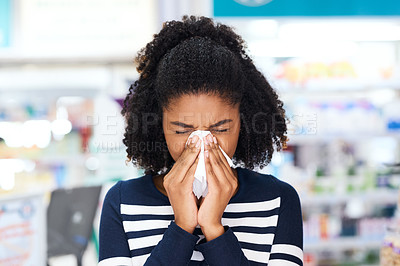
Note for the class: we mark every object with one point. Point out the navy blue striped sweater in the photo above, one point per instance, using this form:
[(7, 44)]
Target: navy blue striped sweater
[(263, 226)]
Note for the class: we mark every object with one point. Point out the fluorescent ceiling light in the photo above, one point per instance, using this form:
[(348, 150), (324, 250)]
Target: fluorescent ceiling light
[(340, 30), (319, 49)]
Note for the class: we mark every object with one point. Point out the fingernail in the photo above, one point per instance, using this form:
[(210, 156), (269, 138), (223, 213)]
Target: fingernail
[(198, 143), (215, 139), (206, 152), (193, 139)]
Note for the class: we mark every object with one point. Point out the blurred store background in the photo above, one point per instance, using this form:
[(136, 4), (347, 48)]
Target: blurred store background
[(65, 65)]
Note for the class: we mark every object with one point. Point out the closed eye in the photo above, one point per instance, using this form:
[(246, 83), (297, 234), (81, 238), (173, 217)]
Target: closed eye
[(184, 132)]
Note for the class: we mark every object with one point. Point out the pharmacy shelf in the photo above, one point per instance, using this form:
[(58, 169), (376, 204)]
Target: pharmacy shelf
[(312, 138), (378, 196), (342, 243)]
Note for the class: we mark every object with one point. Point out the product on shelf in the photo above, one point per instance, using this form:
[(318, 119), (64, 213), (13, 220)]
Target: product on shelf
[(390, 250)]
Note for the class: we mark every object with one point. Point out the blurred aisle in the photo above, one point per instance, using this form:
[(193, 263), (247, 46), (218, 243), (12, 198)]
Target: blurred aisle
[(63, 79)]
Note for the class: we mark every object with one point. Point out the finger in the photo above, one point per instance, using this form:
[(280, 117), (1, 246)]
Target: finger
[(218, 170), (229, 177), (211, 180), (189, 177), (220, 154), (186, 160), (218, 165), (228, 169), (229, 174), (224, 180), (214, 147), (189, 140), (217, 173)]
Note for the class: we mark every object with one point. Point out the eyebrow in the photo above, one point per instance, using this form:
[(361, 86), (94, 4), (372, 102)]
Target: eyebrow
[(191, 126)]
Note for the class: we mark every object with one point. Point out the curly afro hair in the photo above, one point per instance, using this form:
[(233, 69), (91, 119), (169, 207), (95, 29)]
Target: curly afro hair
[(195, 56)]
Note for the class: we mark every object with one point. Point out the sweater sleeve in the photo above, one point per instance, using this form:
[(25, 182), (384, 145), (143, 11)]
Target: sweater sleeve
[(287, 248), (223, 250), (113, 245), (175, 248)]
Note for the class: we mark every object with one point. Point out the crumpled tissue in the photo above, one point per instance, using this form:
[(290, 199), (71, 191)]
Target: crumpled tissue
[(200, 187)]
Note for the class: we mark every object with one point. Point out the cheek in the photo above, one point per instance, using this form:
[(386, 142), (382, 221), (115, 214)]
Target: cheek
[(228, 144), (176, 145)]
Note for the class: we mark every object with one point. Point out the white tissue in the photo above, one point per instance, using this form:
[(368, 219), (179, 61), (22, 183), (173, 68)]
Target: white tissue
[(200, 187)]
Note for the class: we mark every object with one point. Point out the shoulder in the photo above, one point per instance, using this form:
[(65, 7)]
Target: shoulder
[(124, 189), (270, 185)]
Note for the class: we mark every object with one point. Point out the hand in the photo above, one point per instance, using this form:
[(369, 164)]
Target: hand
[(178, 184), (222, 184)]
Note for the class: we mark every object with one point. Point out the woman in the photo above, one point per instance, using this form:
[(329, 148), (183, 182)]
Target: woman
[(196, 75)]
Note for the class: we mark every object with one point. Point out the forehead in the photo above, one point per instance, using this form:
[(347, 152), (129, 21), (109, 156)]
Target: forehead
[(200, 106)]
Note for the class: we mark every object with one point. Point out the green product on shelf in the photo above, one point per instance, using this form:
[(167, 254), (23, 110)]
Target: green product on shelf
[(351, 171), (318, 189), (320, 172), (369, 180), (350, 187)]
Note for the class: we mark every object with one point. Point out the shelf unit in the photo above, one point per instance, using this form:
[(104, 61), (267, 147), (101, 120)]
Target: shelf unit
[(342, 244), (378, 196)]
